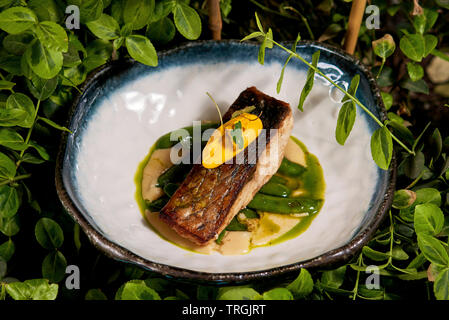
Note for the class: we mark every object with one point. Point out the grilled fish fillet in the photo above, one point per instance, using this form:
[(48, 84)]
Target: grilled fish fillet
[(208, 199)]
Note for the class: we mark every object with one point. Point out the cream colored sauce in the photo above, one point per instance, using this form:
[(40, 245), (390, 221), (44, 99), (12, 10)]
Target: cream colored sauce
[(158, 163), (270, 226)]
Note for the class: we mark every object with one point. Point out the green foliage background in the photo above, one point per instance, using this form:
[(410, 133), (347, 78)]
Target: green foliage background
[(42, 63)]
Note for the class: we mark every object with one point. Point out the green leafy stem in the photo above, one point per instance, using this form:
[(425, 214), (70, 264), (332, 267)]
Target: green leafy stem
[(383, 136)]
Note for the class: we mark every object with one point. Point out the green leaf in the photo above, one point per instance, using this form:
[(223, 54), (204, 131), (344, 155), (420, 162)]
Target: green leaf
[(6, 85), (141, 49), (435, 144), (10, 226), (374, 254), (430, 43), (3, 267), (138, 290), (53, 266), (95, 294), (261, 54), (302, 286), (161, 31), (53, 124), (7, 250), (36, 289), (238, 293), (9, 201), (309, 82), (11, 64), (138, 12), (443, 3), (53, 36), (278, 294), (19, 101), (252, 36), (399, 254), (90, 10), (413, 46), (41, 150), (415, 71), (106, 27), (403, 199), (334, 278), (49, 234), (347, 113), (419, 86), (237, 136), (387, 100), (187, 21), (11, 139), (45, 62), (259, 25), (281, 77), (12, 117), (384, 47), (382, 147), (17, 43), (7, 167), (162, 9), (42, 88), (429, 219), (16, 20), (414, 165), (47, 10), (74, 76), (98, 52), (433, 250), (441, 285)]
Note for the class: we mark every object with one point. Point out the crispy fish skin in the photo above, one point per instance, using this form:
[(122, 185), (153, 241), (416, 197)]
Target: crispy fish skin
[(208, 199)]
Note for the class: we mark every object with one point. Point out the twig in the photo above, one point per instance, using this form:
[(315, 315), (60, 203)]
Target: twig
[(355, 20), (215, 23)]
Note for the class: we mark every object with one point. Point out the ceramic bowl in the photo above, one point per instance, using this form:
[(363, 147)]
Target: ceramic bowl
[(126, 106)]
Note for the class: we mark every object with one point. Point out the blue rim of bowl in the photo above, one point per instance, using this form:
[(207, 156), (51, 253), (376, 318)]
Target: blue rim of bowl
[(326, 260)]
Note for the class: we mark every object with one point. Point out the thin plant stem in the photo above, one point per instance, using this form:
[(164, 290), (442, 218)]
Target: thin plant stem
[(261, 6), (344, 91), (30, 130), (16, 178), (380, 69)]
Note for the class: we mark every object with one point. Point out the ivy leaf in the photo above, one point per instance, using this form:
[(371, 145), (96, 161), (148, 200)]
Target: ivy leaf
[(141, 49), (52, 35), (138, 12), (49, 234), (187, 21), (302, 285), (433, 250), (7, 167), (441, 285), (16, 20), (429, 219), (36, 289), (415, 71), (45, 62), (12, 139), (53, 266), (382, 147), (138, 290), (278, 294), (413, 46), (384, 47), (106, 27), (309, 82)]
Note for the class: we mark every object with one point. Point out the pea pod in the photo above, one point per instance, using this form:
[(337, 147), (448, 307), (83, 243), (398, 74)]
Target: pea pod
[(157, 205), (173, 174), (269, 203), (249, 213), (275, 189), (165, 141), (278, 179), (170, 188), (290, 168)]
